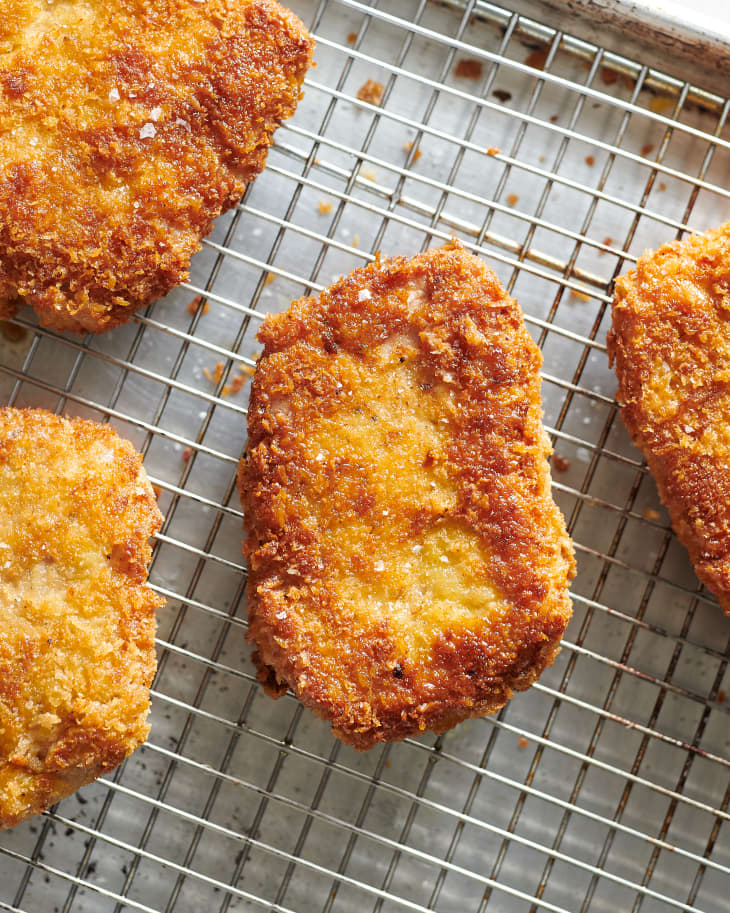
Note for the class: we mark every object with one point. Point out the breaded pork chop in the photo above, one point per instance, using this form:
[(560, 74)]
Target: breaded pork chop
[(670, 343), (127, 126), (77, 622), (408, 567)]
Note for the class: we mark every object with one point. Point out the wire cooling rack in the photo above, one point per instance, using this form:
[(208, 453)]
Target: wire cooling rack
[(605, 787)]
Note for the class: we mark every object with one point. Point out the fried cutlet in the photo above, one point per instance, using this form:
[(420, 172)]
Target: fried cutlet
[(670, 344), (127, 128), (77, 623), (408, 567)]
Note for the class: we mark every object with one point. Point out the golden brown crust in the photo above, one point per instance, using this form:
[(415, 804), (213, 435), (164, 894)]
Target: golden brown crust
[(128, 127), (408, 567), (670, 345), (77, 623)]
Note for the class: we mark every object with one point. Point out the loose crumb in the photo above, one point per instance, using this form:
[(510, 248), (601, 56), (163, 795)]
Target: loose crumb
[(371, 92), (186, 454), (356, 241), (645, 150), (721, 697), (662, 187), (194, 306), (650, 514), (493, 150), (352, 38), (512, 199), (590, 160), (581, 296), (324, 208), (502, 95), (660, 104), (560, 463), (416, 155), (468, 69), (522, 742), (542, 158), (216, 374), (554, 118), (235, 386), (537, 58), (269, 279), (608, 76), (369, 174), (12, 332)]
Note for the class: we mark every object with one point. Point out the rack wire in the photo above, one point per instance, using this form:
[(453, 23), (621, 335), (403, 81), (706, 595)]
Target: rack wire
[(606, 786)]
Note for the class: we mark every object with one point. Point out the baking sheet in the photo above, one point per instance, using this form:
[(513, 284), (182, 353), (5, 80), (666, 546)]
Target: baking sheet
[(605, 787)]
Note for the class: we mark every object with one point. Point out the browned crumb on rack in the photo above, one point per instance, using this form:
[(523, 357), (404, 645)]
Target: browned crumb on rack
[(216, 375), (468, 69), (554, 118), (542, 158), (647, 149), (128, 128), (661, 104), (269, 278), (607, 242), (371, 92), (670, 346), (352, 38), (324, 207), (77, 621), (235, 386), (522, 742), (581, 296), (187, 454), (493, 150), (537, 58), (608, 76), (662, 187), (502, 95), (590, 161), (408, 567), (195, 305), (721, 697), (370, 174), (512, 199), (12, 332), (356, 241), (650, 514), (416, 155), (560, 463)]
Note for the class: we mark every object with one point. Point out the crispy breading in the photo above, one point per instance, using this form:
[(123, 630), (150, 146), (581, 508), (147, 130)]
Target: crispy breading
[(408, 567), (77, 622), (128, 127), (670, 343)]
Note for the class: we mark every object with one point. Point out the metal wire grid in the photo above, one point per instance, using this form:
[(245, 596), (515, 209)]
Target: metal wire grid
[(606, 785)]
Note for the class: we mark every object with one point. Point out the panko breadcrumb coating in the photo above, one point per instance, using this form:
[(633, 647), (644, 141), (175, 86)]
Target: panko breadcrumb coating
[(670, 343), (77, 623), (408, 567), (127, 128)]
